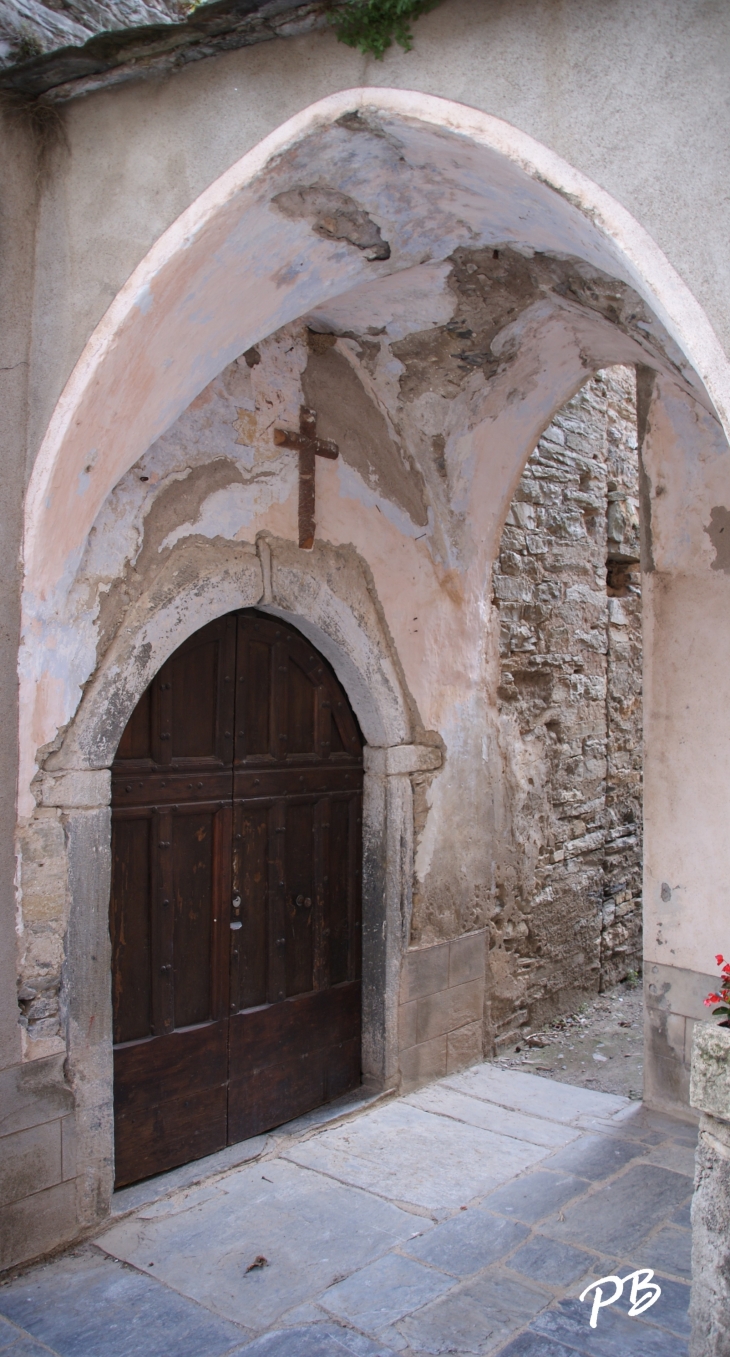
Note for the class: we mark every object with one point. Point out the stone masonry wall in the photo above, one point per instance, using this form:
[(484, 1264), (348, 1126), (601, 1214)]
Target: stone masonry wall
[(567, 920)]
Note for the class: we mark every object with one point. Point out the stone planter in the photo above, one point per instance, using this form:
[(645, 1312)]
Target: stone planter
[(710, 1095)]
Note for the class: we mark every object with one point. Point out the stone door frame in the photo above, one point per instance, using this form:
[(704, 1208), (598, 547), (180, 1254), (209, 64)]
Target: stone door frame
[(286, 583)]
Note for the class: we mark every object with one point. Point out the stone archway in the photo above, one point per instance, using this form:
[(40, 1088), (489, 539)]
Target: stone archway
[(258, 251)]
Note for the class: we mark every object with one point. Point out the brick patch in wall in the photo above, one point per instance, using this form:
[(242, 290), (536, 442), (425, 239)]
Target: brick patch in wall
[(440, 1016)]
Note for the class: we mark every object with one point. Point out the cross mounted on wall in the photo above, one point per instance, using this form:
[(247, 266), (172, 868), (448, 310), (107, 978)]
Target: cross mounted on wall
[(309, 447)]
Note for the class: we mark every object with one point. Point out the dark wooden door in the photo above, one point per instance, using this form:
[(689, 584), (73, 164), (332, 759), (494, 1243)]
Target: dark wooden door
[(235, 904)]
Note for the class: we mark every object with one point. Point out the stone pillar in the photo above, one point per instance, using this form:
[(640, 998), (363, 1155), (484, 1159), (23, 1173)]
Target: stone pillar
[(387, 897), (710, 1094), (83, 798)]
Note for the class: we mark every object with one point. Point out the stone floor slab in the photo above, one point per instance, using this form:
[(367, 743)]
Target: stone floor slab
[(535, 1195), (671, 1311), (446, 1102), (534, 1345), (188, 1175), (322, 1340), (596, 1157), (676, 1156), (683, 1215), (25, 1346), (467, 1243), (431, 1161), (474, 1318), (628, 1210), (90, 1306), (366, 1250), (668, 1251), (614, 1336), (15, 1342), (309, 1228), (535, 1096), (551, 1262), (384, 1292)]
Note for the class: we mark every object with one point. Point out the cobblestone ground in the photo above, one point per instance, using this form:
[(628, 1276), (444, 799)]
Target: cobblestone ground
[(466, 1218), (600, 1047)]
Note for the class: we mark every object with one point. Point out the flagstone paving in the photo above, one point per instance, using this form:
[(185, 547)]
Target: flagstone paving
[(465, 1218)]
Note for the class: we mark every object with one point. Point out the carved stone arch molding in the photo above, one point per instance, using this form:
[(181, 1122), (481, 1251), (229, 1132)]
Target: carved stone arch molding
[(326, 594)]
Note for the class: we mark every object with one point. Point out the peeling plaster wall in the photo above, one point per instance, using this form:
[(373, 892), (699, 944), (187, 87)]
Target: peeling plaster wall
[(401, 376), (567, 914), (141, 152)]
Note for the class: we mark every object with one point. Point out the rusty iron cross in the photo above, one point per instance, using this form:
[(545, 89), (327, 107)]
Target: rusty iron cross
[(309, 448)]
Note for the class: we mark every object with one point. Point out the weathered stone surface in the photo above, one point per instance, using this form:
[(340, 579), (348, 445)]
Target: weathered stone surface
[(710, 1303), (709, 1089), (710, 1094), (567, 918), (441, 1013)]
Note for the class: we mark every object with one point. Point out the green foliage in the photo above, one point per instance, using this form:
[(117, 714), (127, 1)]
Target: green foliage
[(373, 25), (27, 45)]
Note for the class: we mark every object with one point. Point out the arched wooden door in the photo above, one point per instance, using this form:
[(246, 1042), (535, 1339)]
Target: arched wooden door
[(235, 902)]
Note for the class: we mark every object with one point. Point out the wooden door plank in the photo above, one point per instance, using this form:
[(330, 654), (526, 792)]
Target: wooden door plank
[(321, 826), (277, 904), (162, 921), (221, 909), (288, 1058), (170, 1101)]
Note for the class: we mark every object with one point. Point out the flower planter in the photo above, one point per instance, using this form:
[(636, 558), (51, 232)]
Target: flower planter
[(710, 1095)]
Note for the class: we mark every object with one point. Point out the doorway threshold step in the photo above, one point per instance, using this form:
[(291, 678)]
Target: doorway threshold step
[(233, 1156)]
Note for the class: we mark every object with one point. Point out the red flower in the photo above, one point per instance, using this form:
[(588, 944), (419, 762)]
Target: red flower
[(719, 959), (712, 999)]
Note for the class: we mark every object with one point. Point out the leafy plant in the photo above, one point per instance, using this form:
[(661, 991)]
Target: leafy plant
[(373, 25), (723, 998)]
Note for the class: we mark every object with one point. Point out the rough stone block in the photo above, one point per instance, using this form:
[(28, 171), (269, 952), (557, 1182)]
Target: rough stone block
[(434, 1017), (425, 971), (467, 958), (29, 1161), (412, 758), (464, 1047), (467, 1004), (68, 1147), (407, 1034), (424, 1062), (449, 1010), (80, 787), (38, 1223), (402, 758), (710, 1078), (710, 1304), (33, 1093)]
